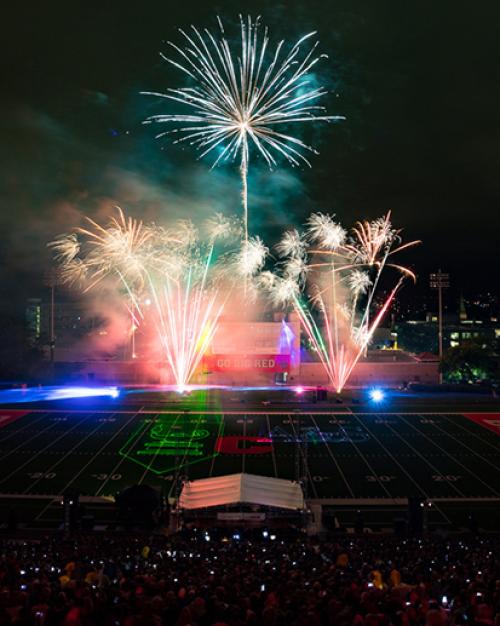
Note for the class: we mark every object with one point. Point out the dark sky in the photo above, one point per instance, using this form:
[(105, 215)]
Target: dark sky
[(418, 82)]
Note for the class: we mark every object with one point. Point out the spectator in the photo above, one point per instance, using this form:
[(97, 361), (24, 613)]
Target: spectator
[(188, 580)]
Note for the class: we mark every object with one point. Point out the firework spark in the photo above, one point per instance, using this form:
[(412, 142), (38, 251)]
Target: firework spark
[(251, 257), (243, 98), (222, 227), (334, 269), (325, 231), (359, 281), (88, 256), (172, 269), (65, 247), (188, 308), (292, 244)]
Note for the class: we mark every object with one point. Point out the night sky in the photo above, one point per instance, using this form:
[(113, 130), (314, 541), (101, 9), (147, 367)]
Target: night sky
[(418, 83)]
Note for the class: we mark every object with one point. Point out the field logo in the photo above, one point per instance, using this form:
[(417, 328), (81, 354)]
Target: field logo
[(240, 444), (171, 441), (314, 435)]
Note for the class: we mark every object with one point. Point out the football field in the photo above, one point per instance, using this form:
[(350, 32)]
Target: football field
[(339, 454)]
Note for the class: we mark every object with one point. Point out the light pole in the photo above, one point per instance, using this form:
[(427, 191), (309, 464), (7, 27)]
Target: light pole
[(440, 280)]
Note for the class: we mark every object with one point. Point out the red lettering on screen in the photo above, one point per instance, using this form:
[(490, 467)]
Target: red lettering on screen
[(246, 362)]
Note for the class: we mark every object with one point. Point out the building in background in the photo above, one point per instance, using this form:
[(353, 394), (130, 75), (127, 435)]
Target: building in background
[(272, 352), (33, 317), (417, 336)]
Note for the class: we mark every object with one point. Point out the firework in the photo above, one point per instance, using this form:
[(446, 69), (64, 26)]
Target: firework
[(339, 275), (359, 282), (282, 289), (251, 257), (173, 269), (222, 227), (122, 248), (292, 244), (243, 98), (188, 307), (66, 248), (325, 231)]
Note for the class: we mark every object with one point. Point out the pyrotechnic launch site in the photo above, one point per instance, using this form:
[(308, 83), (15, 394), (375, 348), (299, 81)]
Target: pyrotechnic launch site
[(225, 380)]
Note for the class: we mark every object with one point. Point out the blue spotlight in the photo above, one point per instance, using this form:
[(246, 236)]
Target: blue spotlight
[(377, 395), (69, 393), (41, 394)]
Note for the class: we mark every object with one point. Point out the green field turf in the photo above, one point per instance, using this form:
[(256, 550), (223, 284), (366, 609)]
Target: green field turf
[(345, 455)]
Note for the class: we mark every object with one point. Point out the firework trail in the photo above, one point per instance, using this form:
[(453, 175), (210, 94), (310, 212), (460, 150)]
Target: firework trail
[(188, 311), (339, 274), (244, 97), (182, 274)]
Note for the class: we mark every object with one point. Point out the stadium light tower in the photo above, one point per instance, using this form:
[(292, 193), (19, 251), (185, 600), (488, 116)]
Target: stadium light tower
[(440, 280)]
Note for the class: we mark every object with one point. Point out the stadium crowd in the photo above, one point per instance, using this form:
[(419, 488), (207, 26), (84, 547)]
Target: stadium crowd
[(202, 580)]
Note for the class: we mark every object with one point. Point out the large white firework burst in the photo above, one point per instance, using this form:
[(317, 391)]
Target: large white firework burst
[(323, 230), (245, 96), (251, 257), (292, 244)]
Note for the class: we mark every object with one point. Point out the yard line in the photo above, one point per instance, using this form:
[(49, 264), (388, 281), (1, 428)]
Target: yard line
[(297, 438), (333, 457), (367, 463), (27, 441), (20, 467), (390, 455), (214, 456), (181, 463), (433, 467), (243, 456), (402, 468), (470, 432), (108, 442), (65, 456), (150, 464), (485, 460), (452, 457), (47, 506), (142, 428), (20, 430), (273, 451)]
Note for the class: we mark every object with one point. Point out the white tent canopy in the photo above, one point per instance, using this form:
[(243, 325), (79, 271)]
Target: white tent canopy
[(247, 488)]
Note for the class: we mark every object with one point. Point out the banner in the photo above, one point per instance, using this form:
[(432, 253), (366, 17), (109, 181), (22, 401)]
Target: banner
[(244, 362)]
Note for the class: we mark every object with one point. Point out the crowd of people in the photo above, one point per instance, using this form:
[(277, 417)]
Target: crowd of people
[(209, 578)]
